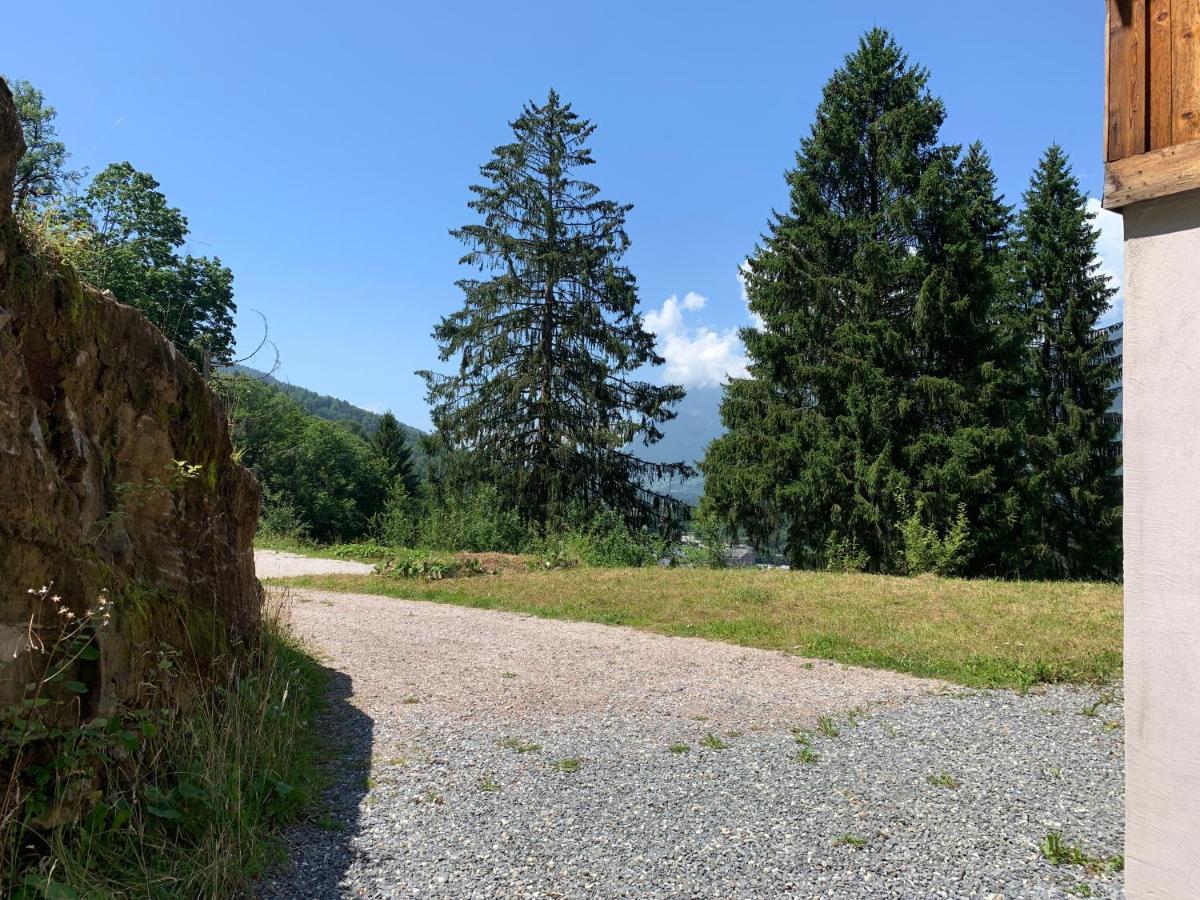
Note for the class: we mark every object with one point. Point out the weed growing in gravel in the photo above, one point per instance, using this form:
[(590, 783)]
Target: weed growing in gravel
[(1112, 726), (410, 700), (1057, 852), (430, 796), (680, 748), (1081, 890), (1092, 710), (508, 675), (828, 726), (569, 765), (712, 742), (521, 746), (849, 840), (855, 715), (488, 784), (805, 754), (733, 734), (943, 779)]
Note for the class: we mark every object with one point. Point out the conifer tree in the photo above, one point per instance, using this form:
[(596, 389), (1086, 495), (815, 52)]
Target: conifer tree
[(867, 398), (391, 445), (1072, 491), (546, 403), (965, 451)]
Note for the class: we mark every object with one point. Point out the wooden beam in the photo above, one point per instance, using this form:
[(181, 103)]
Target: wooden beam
[(1159, 173), (1185, 104), (1126, 79), (1159, 74)]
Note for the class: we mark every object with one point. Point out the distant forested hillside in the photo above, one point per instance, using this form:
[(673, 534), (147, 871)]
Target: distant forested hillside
[(333, 409)]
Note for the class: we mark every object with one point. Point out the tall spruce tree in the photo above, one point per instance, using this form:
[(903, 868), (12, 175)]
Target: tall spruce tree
[(868, 397), (965, 448), (546, 402), (391, 445), (1072, 490)]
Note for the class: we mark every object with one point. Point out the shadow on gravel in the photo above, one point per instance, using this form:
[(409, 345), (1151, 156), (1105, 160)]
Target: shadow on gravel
[(319, 851)]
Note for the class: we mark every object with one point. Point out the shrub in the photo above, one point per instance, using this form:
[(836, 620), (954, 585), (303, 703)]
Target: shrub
[(430, 567), (845, 554), (708, 551), (927, 551), (605, 540), (476, 521), (279, 519), (366, 551), (398, 522)]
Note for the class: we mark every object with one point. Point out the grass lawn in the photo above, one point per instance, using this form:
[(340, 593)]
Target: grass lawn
[(977, 633)]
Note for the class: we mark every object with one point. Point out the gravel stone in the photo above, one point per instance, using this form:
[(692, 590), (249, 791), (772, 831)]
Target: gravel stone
[(277, 564), (449, 724)]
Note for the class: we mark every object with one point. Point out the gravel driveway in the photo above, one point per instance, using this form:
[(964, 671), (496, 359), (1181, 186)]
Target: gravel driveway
[(488, 754), (277, 564)]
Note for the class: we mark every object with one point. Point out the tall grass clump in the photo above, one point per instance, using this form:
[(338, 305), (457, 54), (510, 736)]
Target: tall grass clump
[(178, 794), (603, 540), (475, 521)]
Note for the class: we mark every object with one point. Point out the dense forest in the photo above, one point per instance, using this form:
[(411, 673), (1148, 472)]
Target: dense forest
[(363, 422)]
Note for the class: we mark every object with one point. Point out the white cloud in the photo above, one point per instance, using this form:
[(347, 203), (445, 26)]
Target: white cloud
[(696, 356), (1111, 249)]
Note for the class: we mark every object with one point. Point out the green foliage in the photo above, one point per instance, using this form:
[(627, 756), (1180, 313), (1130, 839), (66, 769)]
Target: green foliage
[(604, 539), (322, 476), (844, 554), (473, 519), (1058, 852), (425, 565), (927, 551), (869, 373), (398, 523), (1071, 515), (546, 400), (710, 537), (160, 800), (279, 519), (915, 341), (130, 239), (41, 177), (391, 443)]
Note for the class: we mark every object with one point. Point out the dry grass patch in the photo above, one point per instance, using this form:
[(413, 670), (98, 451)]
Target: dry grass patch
[(979, 633)]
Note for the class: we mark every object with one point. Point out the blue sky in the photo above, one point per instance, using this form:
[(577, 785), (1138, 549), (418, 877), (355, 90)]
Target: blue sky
[(324, 150)]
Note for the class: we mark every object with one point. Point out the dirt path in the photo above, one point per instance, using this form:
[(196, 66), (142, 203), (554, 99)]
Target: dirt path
[(491, 754), (277, 564)]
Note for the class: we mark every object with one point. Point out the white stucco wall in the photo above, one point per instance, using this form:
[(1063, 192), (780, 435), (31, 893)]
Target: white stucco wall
[(1162, 547)]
